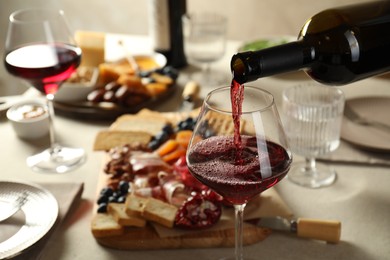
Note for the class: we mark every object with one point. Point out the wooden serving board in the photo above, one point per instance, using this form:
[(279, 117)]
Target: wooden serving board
[(148, 237), (221, 235)]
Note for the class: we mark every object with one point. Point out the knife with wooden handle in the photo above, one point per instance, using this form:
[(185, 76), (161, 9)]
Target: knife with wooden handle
[(326, 230)]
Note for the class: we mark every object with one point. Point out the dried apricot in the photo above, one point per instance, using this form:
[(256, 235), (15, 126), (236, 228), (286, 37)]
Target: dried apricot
[(174, 155), (167, 147), (183, 137)]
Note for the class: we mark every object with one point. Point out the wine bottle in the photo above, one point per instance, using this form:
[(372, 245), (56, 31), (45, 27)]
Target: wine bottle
[(335, 47), (165, 28)]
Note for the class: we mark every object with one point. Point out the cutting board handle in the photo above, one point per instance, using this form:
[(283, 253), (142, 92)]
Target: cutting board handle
[(327, 230)]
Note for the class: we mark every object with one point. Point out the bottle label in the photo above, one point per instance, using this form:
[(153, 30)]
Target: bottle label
[(159, 24)]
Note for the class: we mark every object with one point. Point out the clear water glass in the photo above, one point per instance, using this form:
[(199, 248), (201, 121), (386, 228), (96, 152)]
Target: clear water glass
[(312, 117), (204, 43)]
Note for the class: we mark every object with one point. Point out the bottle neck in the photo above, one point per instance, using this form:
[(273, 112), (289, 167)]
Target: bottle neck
[(251, 65)]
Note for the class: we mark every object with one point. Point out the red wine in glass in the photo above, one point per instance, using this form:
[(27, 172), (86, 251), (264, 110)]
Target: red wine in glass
[(48, 67), (214, 163)]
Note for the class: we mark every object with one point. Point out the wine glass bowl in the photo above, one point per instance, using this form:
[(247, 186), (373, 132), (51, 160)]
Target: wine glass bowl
[(204, 43), (40, 49), (313, 115), (239, 156)]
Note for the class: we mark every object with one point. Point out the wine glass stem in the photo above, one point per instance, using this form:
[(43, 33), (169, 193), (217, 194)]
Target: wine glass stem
[(206, 70), (239, 221), (50, 108), (311, 164)]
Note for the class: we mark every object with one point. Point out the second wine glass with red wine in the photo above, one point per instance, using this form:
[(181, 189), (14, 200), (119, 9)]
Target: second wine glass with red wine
[(40, 49), (239, 148)]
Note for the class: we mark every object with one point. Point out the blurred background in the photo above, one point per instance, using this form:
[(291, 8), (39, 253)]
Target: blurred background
[(248, 19)]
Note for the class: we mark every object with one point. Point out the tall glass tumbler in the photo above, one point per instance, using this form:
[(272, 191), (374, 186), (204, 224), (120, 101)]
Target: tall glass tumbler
[(312, 117)]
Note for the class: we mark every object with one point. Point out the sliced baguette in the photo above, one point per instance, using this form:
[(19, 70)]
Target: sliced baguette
[(151, 209), (104, 225), (106, 140), (151, 124), (160, 212), (134, 205), (117, 210)]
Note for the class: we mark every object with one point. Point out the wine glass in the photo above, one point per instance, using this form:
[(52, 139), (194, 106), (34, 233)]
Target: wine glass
[(40, 49), (313, 115), (204, 43), (238, 154)]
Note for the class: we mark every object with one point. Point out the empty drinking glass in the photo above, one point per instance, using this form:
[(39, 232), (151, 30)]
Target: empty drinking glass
[(313, 115), (204, 43)]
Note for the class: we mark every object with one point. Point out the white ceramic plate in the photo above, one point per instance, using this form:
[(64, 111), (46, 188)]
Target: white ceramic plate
[(368, 137), (40, 213)]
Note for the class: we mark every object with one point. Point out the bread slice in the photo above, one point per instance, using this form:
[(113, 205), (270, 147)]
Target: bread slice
[(104, 225), (117, 210), (223, 123), (172, 117), (160, 212), (151, 209), (151, 124), (105, 140), (134, 205)]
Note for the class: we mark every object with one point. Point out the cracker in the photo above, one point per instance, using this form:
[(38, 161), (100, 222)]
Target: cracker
[(223, 123), (151, 124), (117, 210), (172, 117), (151, 209), (160, 212), (105, 140), (134, 205), (104, 225)]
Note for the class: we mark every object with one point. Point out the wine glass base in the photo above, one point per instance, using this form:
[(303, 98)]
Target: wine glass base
[(57, 160), (209, 79), (321, 176)]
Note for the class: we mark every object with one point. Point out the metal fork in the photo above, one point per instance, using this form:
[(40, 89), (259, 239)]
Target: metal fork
[(357, 119), (11, 208)]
